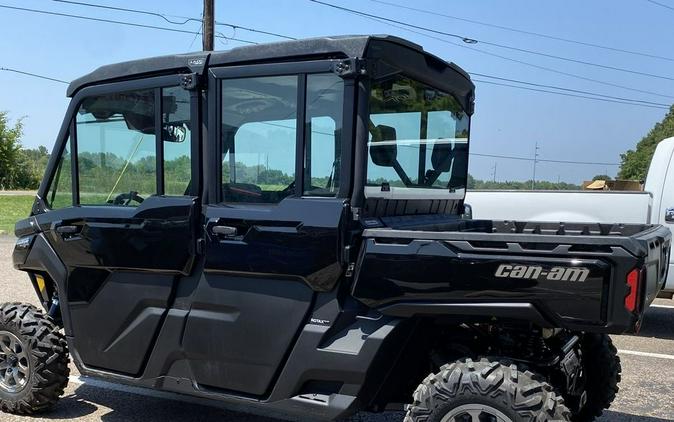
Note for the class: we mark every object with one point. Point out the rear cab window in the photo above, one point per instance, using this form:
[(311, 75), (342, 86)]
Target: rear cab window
[(418, 141)]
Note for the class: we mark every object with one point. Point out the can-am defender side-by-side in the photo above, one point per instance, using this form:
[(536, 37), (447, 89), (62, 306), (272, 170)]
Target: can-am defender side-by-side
[(282, 226)]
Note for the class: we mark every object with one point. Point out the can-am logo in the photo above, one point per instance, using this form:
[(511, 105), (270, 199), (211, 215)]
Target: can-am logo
[(535, 272)]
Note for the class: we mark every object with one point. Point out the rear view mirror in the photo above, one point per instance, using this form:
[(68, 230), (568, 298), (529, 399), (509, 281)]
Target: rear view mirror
[(173, 133), (383, 147)]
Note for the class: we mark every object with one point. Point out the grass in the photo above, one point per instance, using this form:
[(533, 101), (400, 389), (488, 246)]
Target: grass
[(12, 209)]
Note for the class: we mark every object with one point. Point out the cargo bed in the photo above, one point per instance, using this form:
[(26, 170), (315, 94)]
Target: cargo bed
[(566, 275)]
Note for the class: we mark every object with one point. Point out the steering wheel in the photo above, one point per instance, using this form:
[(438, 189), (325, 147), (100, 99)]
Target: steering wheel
[(126, 198)]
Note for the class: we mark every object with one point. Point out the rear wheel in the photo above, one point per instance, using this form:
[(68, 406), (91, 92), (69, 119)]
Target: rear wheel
[(468, 391), (33, 360), (601, 365)]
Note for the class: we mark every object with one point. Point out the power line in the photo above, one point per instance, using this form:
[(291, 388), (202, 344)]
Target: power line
[(468, 40), (137, 25), (516, 60), (560, 72), (628, 101), (184, 19), (471, 40), (35, 75), (578, 91), (513, 157), (666, 6), (536, 34), (607, 100), (236, 39), (589, 95)]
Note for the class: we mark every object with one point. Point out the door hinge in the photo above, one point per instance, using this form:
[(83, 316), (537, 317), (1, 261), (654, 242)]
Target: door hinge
[(190, 81), (350, 68)]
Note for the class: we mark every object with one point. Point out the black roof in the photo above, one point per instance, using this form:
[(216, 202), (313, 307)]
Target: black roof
[(337, 47)]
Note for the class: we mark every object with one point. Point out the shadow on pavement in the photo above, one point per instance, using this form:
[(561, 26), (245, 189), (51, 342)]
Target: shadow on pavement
[(93, 403), (658, 323)]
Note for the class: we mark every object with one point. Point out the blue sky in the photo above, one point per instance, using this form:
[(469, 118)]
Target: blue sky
[(507, 121)]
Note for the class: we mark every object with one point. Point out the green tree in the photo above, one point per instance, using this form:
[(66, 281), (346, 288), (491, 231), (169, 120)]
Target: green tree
[(635, 162), (602, 177), (476, 184), (10, 152), (33, 165)]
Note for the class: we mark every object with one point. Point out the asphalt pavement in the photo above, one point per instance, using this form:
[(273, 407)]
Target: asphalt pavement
[(646, 392)]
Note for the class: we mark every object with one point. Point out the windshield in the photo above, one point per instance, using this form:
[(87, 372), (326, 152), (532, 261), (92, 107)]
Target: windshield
[(418, 141)]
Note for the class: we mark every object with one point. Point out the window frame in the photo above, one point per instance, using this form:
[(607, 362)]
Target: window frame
[(69, 129), (301, 70), (53, 170), (309, 143)]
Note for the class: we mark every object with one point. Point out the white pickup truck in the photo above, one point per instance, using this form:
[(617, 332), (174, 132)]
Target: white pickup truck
[(655, 205)]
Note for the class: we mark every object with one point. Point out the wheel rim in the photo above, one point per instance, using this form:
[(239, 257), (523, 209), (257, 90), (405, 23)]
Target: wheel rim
[(475, 413), (14, 363)]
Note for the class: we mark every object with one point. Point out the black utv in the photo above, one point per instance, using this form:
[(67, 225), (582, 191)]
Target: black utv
[(282, 226)]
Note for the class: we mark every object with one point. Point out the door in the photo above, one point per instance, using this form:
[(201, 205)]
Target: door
[(274, 224), (121, 213)]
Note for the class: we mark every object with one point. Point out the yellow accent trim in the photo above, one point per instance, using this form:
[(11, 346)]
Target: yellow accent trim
[(40, 283)]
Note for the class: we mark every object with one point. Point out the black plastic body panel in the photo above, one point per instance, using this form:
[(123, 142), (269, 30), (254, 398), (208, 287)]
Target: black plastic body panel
[(410, 272), (239, 329), (22, 249), (118, 338)]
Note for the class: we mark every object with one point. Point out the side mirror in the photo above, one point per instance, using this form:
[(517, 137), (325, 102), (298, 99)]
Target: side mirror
[(383, 147), (669, 215)]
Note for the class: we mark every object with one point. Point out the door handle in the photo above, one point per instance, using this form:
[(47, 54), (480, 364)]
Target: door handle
[(226, 231), (67, 229), (669, 215)]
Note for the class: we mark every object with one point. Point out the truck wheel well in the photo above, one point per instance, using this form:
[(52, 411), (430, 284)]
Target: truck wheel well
[(434, 343)]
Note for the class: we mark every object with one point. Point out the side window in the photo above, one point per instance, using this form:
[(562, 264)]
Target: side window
[(116, 148), (259, 135), (323, 134), (60, 193), (177, 140)]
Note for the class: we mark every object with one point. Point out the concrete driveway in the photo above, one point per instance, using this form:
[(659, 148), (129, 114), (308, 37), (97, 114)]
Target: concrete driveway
[(646, 395)]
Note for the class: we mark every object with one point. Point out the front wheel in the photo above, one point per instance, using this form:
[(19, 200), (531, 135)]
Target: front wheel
[(33, 360), (468, 391)]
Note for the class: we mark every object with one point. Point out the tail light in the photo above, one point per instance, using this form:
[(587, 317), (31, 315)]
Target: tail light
[(632, 302)]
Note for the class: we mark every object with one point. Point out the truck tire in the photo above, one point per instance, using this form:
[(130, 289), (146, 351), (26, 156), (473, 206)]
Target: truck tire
[(601, 364), (33, 360), (468, 391)]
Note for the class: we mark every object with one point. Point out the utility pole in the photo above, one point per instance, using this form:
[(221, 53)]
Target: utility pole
[(208, 25), (493, 172), (533, 179)]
